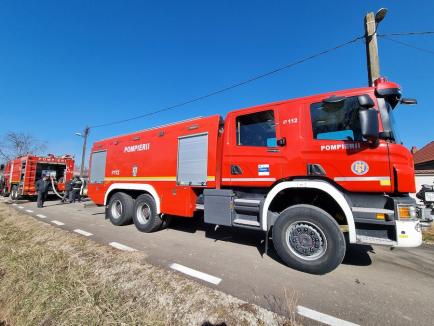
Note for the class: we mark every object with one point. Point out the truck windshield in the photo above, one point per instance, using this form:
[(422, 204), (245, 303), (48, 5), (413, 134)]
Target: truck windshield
[(388, 121), (338, 123)]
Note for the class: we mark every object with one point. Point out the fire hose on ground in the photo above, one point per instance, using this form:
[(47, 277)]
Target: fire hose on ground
[(82, 190), (54, 188)]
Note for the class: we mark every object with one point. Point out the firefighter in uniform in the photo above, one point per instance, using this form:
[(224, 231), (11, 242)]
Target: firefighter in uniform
[(2, 184), (42, 186), (76, 189), (68, 189)]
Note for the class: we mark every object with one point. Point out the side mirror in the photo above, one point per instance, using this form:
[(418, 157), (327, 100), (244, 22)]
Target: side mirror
[(281, 142), (369, 124), (365, 101), (408, 101)]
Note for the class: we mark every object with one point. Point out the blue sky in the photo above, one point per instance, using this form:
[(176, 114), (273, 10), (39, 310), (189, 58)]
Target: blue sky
[(65, 64)]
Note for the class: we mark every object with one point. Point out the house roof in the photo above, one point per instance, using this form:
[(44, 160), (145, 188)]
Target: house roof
[(425, 154)]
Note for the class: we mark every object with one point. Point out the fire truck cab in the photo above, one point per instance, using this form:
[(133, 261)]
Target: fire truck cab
[(314, 173)]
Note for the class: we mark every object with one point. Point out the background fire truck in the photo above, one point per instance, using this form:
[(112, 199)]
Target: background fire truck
[(313, 173), (21, 174)]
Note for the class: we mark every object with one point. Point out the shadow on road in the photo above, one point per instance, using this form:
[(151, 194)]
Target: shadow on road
[(220, 233), (357, 255)]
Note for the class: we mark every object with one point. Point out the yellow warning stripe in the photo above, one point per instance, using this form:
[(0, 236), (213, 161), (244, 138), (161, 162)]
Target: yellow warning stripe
[(209, 178), (384, 181)]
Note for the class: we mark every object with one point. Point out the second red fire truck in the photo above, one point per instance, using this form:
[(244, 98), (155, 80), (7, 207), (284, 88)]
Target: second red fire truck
[(20, 174), (314, 173)]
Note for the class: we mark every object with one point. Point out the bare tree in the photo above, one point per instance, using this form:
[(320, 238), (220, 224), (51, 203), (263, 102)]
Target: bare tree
[(15, 144)]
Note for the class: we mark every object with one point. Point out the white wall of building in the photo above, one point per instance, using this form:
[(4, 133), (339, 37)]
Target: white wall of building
[(422, 179)]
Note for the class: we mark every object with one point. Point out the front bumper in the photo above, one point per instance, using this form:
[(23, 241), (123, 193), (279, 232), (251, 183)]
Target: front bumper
[(381, 223), (408, 234)]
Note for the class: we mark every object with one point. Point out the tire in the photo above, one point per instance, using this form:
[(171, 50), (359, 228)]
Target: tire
[(120, 209), (14, 193), (145, 215), (4, 192), (166, 221), (308, 239)]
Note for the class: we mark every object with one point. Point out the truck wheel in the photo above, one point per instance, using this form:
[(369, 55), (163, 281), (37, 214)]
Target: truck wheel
[(4, 192), (166, 220), (145, 215), (308, 239), (120, 208), (14, 193)]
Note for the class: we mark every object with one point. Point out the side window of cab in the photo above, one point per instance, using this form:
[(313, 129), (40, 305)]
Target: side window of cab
[(256, 129), (336, 123)]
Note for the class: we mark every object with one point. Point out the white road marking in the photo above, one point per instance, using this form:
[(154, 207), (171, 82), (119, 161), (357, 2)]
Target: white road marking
[(82, 232), (196, 274), (14, 204), (57, 222), (323, 318), (21, 207), (121, 246), (29, 211), (41, 216)]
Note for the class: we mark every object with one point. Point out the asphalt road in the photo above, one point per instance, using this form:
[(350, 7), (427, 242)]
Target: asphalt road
[(373, 286)]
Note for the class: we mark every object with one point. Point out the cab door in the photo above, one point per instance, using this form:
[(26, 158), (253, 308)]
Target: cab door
[(335, 146), (251, 157)]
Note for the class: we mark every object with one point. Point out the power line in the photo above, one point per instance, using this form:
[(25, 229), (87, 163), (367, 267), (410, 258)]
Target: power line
[(407, 33), (408, 45), (219, 91)]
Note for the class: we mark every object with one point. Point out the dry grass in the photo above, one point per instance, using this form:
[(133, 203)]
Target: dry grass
[(291, 298), (52, 277), (428, 234)]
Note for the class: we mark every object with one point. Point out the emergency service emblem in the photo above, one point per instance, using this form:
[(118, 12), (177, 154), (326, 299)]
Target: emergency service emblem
[(263, 169), (360, 167), (135, 169)]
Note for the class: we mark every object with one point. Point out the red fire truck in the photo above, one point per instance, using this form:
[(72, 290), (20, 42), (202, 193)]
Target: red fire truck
[(318, 172), (21, 174)]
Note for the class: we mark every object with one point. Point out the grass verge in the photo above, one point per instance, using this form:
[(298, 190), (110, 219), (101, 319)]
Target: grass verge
[(53, 277), (428, 235)]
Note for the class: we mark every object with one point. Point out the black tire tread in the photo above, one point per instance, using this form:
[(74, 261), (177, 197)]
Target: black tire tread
[(14, 193), (155, 220), (335, 251), (127, 208)]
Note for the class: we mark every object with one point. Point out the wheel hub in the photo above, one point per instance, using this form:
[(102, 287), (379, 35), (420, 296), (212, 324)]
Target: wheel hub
[(117, 209), (306, 240), (143, 213)]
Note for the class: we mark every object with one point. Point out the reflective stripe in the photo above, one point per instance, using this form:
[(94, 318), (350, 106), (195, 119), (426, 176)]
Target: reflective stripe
[(362, 179), (249, 179), (372, 210), (209, 178), (249, 201), (140, 179)]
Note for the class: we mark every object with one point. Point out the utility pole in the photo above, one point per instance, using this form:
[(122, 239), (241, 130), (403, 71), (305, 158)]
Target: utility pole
[(373, 61), (83, 154)]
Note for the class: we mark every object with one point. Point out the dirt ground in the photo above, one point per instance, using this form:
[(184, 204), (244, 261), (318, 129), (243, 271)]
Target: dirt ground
[(52, 277)]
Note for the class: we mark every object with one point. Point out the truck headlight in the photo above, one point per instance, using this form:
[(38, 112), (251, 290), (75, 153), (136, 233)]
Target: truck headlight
[(406, 212), (413, 212)]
